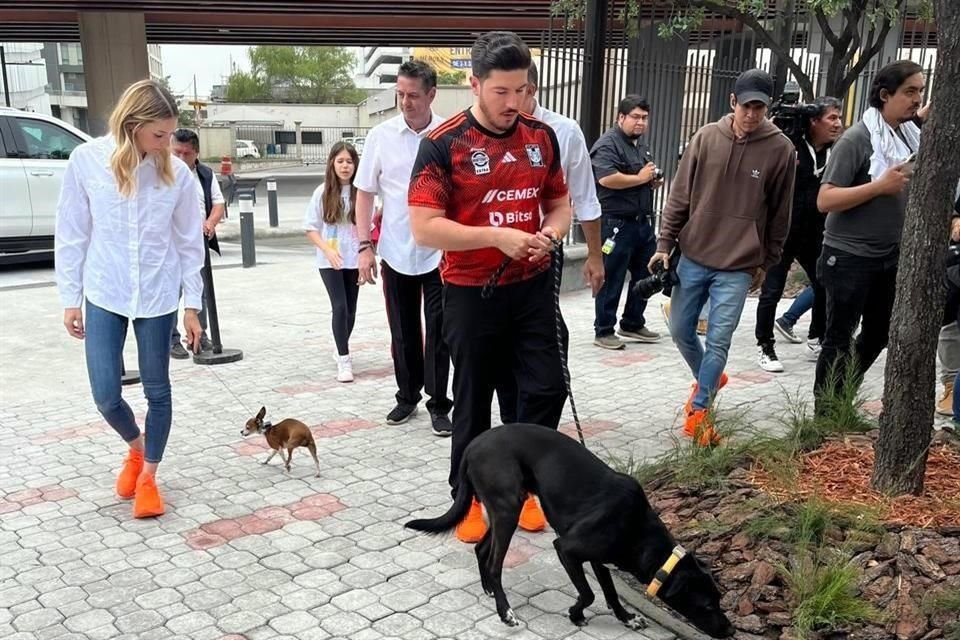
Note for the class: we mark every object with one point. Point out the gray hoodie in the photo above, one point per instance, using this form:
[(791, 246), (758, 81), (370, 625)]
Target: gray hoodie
[(729, 204)]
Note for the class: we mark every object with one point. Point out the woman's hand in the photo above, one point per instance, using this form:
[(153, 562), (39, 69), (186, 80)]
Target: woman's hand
[(333, 257), (192, 330), (73, 321)]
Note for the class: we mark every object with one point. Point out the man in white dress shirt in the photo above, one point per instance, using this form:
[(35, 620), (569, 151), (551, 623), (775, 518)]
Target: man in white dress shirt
[(411, 275)]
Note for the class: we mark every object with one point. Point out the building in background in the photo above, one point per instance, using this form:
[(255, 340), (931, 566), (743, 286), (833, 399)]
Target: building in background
[(377, 66), (48, 78), (25, 72)]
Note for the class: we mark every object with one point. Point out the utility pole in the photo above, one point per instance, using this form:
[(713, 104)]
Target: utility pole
[(6, 81)]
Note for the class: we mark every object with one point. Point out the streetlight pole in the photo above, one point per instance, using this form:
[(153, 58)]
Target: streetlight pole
[(3, 72)]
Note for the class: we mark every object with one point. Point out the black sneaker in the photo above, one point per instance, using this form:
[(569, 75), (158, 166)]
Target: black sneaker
[(442, 427), (786, 330), (178, 351), (401, 413), (205, 343)]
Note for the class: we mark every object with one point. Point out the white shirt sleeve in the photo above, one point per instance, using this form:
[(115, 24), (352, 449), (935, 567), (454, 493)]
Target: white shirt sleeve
[(72, 235), (368, 173), (188, 239), (216, 195), (313, 217), (580, 182)]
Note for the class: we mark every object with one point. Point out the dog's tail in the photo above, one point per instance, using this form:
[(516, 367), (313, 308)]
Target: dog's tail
[(457, 511)]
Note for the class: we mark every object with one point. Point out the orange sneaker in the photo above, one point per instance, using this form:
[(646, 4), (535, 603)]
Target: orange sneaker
[(147, 502), (699, 426), (688, 408), (472, 528), (127, 480), (531, 517)]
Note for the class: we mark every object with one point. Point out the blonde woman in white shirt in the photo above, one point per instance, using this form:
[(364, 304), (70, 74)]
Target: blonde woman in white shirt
[(129, 235), (331, 225)]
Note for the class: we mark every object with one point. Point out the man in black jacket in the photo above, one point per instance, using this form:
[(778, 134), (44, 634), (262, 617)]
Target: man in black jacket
[(805, 239), (186, 146)]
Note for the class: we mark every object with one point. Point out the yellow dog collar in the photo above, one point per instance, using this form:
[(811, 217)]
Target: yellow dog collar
[(664, 572)]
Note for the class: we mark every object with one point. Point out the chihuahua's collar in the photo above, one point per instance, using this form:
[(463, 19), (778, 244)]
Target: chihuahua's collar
[(265, 426), (664, 572)]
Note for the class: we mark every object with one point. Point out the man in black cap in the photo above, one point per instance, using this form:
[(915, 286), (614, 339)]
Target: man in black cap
[(729, 213)]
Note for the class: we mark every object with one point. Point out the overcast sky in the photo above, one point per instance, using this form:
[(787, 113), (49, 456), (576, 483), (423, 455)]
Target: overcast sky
[(210, 63)]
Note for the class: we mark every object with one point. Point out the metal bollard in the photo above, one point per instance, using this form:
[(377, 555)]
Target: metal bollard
[(272, 202), (247, 243), (217, 355)]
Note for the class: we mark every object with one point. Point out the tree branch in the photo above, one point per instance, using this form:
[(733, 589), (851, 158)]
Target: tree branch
[(748, 19), (825, 28)]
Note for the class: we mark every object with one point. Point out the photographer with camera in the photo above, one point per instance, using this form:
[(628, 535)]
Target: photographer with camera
[(626, 177), (813, 129), (729, 213), (864, 192), (948, 343)]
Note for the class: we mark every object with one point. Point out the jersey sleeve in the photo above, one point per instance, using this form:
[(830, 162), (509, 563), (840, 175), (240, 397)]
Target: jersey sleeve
[(430, 184), (555, 185)]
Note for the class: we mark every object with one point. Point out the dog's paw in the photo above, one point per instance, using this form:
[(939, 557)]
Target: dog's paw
[(635, 622), (510, 619), (489, 593), (577, 617)]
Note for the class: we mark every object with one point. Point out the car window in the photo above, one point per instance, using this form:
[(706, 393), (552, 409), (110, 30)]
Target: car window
[(44, 140), (3, 145)]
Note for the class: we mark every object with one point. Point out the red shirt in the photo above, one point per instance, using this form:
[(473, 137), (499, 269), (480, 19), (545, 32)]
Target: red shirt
[(481, 178)]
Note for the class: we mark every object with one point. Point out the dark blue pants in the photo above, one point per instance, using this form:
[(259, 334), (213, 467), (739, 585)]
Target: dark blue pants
[(635, 244)]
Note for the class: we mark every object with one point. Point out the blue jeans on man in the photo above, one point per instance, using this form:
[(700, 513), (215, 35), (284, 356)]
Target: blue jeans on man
[(727, 293), (106, 333), (634, 245)]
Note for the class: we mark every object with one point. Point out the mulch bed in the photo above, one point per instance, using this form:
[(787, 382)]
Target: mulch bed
[(916, 553)]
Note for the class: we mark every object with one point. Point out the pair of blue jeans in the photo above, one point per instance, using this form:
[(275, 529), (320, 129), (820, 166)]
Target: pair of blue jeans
[(801, 304), (727, 293), (106, 333)]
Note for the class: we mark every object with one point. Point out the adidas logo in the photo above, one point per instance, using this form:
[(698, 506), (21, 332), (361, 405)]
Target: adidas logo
[(508, 157)]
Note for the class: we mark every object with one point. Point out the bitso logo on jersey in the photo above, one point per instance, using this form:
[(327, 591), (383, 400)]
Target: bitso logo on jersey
[(499, 218), (481, 161), (534, 155)]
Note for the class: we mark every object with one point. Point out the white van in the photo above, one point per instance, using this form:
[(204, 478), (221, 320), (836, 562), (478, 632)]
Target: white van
[(247, 149), (34, 149)]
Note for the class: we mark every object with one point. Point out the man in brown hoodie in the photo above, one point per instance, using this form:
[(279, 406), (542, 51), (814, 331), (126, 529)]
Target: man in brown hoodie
[(729, 213)]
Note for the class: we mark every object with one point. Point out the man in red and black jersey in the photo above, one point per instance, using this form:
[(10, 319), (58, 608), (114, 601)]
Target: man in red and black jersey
[(478, 187)]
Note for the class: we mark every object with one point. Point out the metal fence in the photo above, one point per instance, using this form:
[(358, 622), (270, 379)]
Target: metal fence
[(688, 79), (282, 143)]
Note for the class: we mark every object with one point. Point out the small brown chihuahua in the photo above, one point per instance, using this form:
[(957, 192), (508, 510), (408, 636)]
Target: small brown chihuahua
[(287, 434)]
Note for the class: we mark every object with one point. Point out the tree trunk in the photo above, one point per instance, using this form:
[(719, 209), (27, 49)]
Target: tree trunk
[(906, 424)]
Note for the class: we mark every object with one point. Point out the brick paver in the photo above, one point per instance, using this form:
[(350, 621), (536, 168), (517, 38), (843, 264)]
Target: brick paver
[(251, 551)]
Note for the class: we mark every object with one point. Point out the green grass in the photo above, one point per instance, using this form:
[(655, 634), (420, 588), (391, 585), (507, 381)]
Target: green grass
[(823, 588), (806, 524), (946, 600)]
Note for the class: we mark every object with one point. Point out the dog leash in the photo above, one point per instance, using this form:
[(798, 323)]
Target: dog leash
[(557, 267)]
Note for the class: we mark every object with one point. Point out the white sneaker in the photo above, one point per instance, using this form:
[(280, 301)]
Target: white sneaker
[(768, 360), (813, 350), (344, 369)]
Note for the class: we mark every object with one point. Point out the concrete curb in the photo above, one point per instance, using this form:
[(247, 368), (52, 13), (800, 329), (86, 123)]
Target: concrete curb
[(639, 601)]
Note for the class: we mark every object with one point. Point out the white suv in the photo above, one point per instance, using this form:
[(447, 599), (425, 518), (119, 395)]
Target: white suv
[(34, 149)]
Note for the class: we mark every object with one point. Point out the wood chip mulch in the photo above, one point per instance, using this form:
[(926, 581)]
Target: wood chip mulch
[(839, 472)]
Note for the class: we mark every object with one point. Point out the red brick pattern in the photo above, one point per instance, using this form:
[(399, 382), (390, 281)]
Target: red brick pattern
[(590, 427), (20, 499), (219, 532), (748, 378), (519, 553), (627, 358), (80, 431)]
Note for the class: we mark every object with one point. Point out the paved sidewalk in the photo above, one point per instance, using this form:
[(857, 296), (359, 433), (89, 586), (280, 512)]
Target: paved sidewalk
[(251, 551)]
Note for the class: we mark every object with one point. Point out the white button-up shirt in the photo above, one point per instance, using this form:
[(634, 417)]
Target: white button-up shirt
[(389, 153), (130, 255), (575, 160)]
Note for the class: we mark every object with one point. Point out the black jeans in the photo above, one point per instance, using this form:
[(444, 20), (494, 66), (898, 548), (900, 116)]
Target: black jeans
[(804, 246), (419, 361), (511, 335), (861, 290), (342, 287), (634, 245)]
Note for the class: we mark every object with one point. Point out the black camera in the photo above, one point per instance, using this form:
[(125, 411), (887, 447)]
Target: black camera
[(662, 279), (790, 115), (657, 174)]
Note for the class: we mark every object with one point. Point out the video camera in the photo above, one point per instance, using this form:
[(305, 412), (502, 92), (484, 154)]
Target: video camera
[(790, 115)]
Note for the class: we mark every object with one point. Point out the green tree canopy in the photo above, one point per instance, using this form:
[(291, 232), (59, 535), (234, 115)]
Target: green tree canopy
[(316, 75)]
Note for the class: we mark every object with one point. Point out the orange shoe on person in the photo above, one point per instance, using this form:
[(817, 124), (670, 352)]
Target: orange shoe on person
[(688, 408), (127, 480), (531, 517), (699, 426), (472, 528), (147, 502)]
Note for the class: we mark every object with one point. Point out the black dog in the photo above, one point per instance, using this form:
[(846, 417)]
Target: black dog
[(600, 516)]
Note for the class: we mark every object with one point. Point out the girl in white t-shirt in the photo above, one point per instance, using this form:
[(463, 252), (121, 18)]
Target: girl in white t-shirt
[(331, 225)]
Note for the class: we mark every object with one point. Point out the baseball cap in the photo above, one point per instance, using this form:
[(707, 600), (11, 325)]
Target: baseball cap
[(753, 85)]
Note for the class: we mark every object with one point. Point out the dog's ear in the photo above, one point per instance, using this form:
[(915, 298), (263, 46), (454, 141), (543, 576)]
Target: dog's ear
[(261, 413)]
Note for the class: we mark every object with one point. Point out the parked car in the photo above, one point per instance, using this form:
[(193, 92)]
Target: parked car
[(247, 149), (34, 149)]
